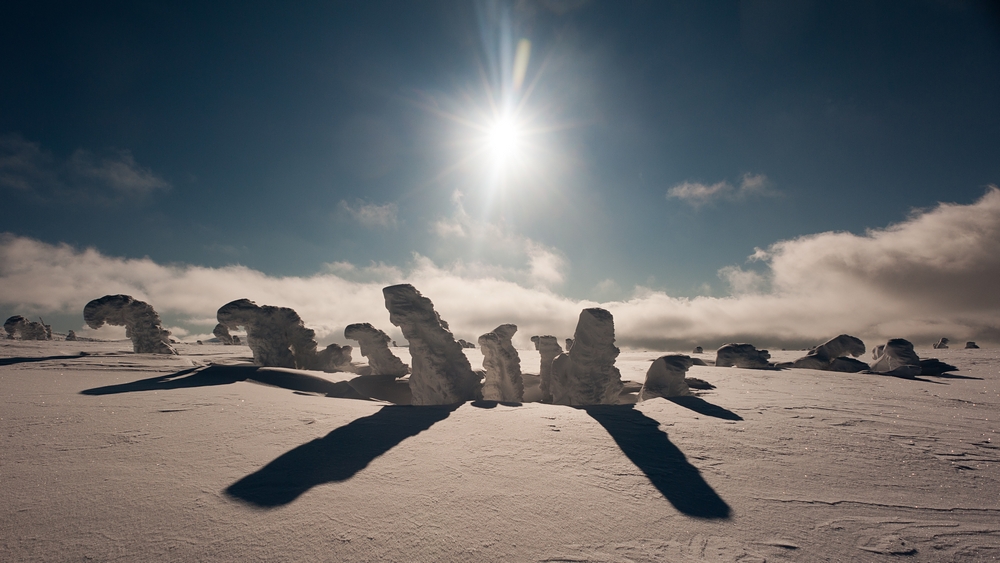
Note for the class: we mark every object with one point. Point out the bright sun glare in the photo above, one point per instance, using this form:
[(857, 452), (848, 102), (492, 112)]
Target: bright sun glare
[(503, 138)]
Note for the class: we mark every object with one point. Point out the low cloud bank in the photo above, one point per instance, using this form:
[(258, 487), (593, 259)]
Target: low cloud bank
[(930, 276)]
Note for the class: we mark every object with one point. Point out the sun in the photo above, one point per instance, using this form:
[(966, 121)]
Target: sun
[(504, 138)]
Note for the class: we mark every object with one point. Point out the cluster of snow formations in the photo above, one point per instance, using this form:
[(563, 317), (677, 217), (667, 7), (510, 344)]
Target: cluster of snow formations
[(832, 356), (30, 330), (665, 377), (440, 374), (375, 346), (548, 348), (503, 380), (586, 375), (278, 338), (742, 356), (222, 333), (142, 324), (941, 344)]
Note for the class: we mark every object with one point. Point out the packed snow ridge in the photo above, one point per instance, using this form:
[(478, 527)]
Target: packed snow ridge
[(440, 373), (29, 330), (375, 346), (586, 375), (503, 380), (142, 324), (278, 338)]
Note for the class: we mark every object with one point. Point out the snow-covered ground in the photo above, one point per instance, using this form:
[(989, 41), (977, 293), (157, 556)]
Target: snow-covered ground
[(115, 456)]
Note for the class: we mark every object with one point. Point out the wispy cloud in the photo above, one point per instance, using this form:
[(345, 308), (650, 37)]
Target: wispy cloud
[(372, 215), (697, 194), (27, 168), (930, 276)]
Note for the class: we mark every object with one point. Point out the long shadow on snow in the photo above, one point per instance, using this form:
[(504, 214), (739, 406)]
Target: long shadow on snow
[(701, 406), (225, 375), (12, 361), (641, 440), (336, 457)]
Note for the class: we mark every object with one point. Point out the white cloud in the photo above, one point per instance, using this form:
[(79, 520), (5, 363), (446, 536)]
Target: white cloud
[(82, 178), (372, 215), (930, 276), (697, 194), (742, 282)]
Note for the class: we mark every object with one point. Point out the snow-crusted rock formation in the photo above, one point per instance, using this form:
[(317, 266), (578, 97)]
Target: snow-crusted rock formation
[(832, 356), (222, 333), (375, 346), (440, 373), (665, 377), (586, 375), (548, 348), (970, 345), (278, 337), (698, 350), (742, 356), (142, 324), (503, 380), (941, 344), (29, 330), (71, 336), (896, 357)]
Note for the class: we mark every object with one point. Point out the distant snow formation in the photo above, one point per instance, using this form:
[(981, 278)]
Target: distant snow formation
[(698, 350), (29, 330), (665, 377), (742, 356), (586, 375), (142, 324), (832, 355), (440, 373), (548, 348), (374, 345), (222, 333), (970, 345), (896, 357), (941, 344), (278, 338), (503, 381)]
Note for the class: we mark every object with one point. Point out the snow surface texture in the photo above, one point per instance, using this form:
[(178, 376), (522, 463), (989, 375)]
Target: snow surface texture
[(586, 375), (222, 333), (440, 373), (832, 355), (503, 380), (665, 377), (941, 344), (142, 324), (117, 457), (548, 348), (374, 345), (278, 338), (742, 356), (29, 330)]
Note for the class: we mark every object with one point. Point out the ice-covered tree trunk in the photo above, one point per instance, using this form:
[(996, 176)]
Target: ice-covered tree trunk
[(142, 324), (503, 380), (586, 375), (665, 377), (374, 345), (440, 373)]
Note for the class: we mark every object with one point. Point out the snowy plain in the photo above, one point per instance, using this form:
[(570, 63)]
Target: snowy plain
[(114, 456)]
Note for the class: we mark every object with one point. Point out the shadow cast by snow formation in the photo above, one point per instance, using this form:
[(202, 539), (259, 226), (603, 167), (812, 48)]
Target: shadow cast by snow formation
[(336, 457), (225, 375), (12, 361), (664, 464), (701, 406)]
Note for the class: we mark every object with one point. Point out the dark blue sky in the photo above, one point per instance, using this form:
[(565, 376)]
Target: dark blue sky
[(285, 136)]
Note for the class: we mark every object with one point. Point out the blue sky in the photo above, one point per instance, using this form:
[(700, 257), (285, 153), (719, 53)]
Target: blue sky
[(661, 143)]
